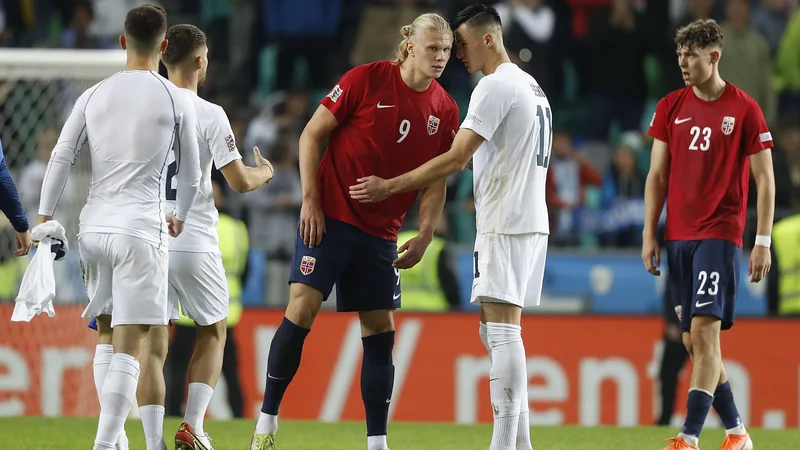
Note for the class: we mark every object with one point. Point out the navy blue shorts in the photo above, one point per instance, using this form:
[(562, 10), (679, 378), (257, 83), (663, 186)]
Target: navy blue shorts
[(703, 277), (359, 264)]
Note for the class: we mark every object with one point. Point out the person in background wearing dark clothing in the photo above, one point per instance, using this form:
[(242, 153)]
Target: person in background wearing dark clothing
[(12, 208), (673, 359)]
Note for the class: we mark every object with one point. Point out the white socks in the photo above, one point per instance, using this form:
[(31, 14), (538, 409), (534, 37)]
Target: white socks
[(523, 440), (197, 401), (153, 423), (267, 424), (116, 397), (377, 443), (507, 382)]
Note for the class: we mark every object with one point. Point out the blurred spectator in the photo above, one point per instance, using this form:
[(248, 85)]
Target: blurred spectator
[(76, 34), (285, 113), (623, 185), (787, 69), (673, 358), (616, 83), (568, 176), (275, 208), (746, 60), (32, 176), (770, 17)]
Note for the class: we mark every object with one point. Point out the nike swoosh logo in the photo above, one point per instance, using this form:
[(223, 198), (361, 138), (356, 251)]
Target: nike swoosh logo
[(700, 305), (680, 121), (396, 296), (274, 378), (384, 106), (388, 401)]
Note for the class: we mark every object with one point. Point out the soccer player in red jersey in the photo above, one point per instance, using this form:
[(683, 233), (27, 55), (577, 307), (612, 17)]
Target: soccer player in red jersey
[(708, 136), (384, 118)]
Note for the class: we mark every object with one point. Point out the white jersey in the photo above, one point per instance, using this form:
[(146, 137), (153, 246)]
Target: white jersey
[(217, 145), (511, 112), (132, 121)]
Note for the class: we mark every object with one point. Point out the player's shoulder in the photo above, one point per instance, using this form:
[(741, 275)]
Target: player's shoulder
[(741, 98), (675, 97), (503, 82), (369, 70), (442, 97)]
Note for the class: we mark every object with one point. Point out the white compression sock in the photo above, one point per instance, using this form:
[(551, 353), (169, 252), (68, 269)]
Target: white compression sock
[(376, 442), (506, 379), (116, 398), (523, 440), (267, 424), (153, 423), (102, 360), (197, 401)]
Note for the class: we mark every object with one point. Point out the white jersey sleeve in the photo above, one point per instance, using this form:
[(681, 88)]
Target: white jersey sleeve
[(220, 138), (491, 100), (70, 142), (187, 156)]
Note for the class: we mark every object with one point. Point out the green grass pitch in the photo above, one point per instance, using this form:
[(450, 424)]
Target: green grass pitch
[(31, 433)]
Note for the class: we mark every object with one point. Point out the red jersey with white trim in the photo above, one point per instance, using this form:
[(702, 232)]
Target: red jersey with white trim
[(385, 129), (709, 145)]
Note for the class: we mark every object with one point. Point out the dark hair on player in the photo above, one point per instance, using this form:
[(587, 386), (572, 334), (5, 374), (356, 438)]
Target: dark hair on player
[(182, 42), (145, 26), (700, 34), (479, 15)]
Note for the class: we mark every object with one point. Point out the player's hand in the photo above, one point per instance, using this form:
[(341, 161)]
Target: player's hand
[(312, 223), (411, 252), (24, 243), (651, 255), (371, 189), (174, 225), (261, 162), (760, 263)]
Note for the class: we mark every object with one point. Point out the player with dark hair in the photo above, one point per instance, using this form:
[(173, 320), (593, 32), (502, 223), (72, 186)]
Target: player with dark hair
[(707, 138), (508, 129), (131, 122), (386, 117), (12, 208)]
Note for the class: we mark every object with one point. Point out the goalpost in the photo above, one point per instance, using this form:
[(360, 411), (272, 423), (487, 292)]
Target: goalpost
[(50, 358)]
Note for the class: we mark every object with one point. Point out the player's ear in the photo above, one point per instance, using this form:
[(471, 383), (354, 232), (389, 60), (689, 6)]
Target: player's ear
[(164, 45), (122, 42)]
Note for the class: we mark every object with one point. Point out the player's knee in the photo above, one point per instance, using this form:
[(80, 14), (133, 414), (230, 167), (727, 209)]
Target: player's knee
[(215, 333), (104, 330), (156, 345), (376, 322), (705, 335), (304, 305), (687, 342)]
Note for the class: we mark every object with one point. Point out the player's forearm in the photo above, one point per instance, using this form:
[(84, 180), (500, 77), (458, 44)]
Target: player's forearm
[(9, 200), (655, 191), (255, 177), (436, 169), (765, 204), (431, 205), (310, 155), (55, 179)]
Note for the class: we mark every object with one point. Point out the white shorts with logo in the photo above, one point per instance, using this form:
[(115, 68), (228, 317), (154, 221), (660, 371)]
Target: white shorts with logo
[(198, 283), (509, 268), (125, 277)]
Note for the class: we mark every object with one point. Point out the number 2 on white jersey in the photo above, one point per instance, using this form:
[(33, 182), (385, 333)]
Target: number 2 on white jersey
[(545, 130), (696, 132), (171, 192)]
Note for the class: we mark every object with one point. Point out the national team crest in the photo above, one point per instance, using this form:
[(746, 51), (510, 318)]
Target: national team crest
[(231, 143), (433, 125), (727, 125), (307, 265)]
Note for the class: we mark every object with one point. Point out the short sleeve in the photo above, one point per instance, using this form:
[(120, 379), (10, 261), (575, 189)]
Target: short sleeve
[(488, 106), (221, 140), (755, 134), (345, 97), (658, 123), (450, 126)]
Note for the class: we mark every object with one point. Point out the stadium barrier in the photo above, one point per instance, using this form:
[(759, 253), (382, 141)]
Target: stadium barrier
[(587, 370)]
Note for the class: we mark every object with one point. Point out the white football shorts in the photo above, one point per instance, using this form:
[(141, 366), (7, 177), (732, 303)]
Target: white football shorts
[(509, 268), (125, 277), (197, 281)]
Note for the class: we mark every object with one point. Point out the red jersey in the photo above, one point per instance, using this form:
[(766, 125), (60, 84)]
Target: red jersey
[(385, 129), (709, 144)]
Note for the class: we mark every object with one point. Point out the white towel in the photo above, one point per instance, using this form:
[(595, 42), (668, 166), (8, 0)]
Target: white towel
[(39, 283)]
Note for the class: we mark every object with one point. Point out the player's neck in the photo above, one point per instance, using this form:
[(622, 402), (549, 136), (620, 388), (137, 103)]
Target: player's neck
[(414, 79), (494, 61), (184, 80), (711, 89), (137, 61)]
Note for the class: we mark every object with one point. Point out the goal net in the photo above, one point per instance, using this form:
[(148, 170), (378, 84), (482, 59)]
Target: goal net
[(49, 360)]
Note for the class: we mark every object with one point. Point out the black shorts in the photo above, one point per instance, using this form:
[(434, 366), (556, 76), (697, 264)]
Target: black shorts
[(359, 264)]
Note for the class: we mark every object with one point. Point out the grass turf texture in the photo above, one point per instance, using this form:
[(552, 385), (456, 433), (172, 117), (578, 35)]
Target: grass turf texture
[(30, 433)]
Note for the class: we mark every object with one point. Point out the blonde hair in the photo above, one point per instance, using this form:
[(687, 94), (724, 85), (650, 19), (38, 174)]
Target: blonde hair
[(428, 21)]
